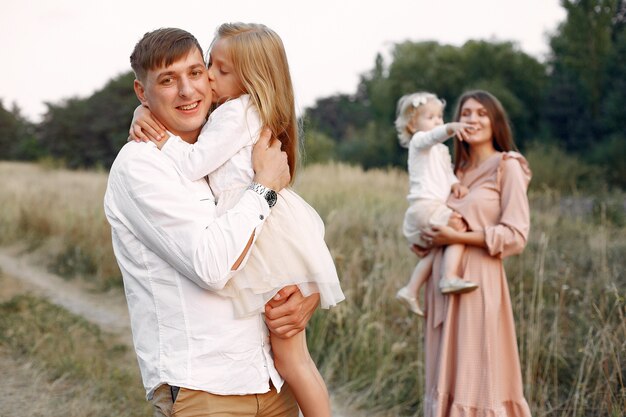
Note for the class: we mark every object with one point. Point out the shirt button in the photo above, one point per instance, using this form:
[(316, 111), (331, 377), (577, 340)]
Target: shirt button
[(261, 217)]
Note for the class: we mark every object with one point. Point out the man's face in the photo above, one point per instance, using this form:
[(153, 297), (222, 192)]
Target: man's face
[(178, 95)]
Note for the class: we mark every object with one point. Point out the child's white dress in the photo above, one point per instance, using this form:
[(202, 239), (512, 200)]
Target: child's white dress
[(430, 181), (290, 249)]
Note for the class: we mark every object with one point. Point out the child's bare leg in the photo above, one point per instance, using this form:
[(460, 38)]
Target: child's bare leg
[(450, 282), (421, 273), (409, 295), (294, 363)]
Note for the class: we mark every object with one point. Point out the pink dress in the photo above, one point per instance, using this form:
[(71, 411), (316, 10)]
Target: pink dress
[(472, 360)]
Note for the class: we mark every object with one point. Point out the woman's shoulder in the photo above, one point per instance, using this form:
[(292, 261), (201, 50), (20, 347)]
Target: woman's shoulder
[(513, 163)]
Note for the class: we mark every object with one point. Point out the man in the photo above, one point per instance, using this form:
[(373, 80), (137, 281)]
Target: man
[(195, 357)]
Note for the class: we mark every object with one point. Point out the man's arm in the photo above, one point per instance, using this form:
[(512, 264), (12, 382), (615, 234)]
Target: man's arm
[(146, 195)]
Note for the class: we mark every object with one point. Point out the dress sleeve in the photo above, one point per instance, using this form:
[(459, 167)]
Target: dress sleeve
[(509, 236), (231, 127)]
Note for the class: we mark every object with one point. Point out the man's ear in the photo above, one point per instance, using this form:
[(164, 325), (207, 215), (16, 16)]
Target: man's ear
[(140, 92)]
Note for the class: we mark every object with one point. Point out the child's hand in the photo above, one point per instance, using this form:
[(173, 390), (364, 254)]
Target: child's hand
[(459, 191), (458, 129), (146, 127), (457, 222)]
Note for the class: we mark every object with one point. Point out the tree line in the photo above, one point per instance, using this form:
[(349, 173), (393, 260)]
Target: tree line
[(575, 100)]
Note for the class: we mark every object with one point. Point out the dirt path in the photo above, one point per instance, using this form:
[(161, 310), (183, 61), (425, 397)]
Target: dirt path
[(107, 310), (21, 273)]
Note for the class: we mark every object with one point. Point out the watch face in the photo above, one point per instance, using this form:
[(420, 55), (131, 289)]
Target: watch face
[(271, 197)]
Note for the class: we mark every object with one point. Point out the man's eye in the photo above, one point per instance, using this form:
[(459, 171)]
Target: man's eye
[(166, 81)]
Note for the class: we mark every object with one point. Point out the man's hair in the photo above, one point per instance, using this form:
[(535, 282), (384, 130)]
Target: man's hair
[(161, 48)]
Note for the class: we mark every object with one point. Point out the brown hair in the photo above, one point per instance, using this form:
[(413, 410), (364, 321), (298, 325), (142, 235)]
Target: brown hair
[(160, 48), (502, 137), (260, 62)]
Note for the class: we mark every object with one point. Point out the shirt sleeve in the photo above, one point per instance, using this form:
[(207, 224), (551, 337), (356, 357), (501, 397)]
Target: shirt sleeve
[(147, 196), (231, 127), (510, 235), (421, 140)]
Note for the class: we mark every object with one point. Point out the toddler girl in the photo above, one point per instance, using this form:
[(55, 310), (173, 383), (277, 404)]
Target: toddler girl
[(251, 85), (420, 128)]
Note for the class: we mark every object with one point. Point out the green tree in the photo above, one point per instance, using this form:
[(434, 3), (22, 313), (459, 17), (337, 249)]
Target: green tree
[(17, 139), (513, 76), (582, 49), (89, 132)]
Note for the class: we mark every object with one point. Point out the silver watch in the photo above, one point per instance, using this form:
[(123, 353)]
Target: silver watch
[(267, 193)]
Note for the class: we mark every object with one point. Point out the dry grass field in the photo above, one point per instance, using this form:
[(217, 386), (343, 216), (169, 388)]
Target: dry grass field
[(568, 288)]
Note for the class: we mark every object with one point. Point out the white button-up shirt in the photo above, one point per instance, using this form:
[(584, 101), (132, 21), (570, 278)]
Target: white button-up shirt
[(173, 251)]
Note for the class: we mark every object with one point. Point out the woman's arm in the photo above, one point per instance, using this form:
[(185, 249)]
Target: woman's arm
[(445, 235)]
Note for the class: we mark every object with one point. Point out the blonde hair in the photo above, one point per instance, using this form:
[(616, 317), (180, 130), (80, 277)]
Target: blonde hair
[(260, 62), (406, 108)]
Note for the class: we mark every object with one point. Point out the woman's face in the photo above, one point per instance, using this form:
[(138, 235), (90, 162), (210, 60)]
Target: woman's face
[(476, 114)]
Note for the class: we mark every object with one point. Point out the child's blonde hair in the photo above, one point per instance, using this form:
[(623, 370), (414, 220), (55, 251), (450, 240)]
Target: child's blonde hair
[(406, 108), (260, 62)]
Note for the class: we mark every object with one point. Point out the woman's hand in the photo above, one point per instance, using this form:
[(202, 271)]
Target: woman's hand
[(419, 251), (145, 127), (440, 236), (288, 313)]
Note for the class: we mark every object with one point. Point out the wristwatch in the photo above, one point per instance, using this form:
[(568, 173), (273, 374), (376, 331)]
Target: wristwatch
[(267, 193)]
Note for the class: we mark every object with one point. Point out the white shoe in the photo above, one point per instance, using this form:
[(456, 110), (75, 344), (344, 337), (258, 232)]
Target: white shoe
[(456, 285), (410, 302)]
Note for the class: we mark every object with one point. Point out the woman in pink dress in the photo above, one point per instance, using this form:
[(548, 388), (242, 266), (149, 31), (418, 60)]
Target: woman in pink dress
[(472, 360)]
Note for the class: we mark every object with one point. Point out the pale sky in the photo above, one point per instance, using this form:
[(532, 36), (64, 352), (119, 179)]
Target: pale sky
[(57, 49)]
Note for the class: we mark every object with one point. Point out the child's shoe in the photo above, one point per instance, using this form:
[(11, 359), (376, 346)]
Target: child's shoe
[(410, 301), (456, 285)]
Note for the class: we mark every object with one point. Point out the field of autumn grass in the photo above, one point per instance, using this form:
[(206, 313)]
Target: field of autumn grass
[(568, 288)]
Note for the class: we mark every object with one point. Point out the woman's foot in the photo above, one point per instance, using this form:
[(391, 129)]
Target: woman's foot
[(409, 300), (455, 285)]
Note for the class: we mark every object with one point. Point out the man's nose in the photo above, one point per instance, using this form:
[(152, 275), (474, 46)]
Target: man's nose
[(185, 89)]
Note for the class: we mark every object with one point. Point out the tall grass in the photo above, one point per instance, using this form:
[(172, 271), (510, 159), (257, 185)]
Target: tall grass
[(92, 367), (567, 288)]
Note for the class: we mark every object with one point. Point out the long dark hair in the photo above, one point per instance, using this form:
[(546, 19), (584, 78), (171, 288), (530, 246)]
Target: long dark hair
[(501, 128)]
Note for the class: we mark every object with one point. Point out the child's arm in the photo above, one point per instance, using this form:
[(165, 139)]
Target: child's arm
[(439, 134), (231, 127), (145, 127)]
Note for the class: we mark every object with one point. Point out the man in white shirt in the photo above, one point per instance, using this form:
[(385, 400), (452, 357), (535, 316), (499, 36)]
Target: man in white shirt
[(195, 357)]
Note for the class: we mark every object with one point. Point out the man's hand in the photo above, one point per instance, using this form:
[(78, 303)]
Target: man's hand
[(288, 313), (270, 163)]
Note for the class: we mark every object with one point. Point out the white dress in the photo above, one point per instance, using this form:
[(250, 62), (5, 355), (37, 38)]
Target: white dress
[(290, 249)]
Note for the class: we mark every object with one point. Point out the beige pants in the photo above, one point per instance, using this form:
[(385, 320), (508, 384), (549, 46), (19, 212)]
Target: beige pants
[(421, 215), (191, 403)]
